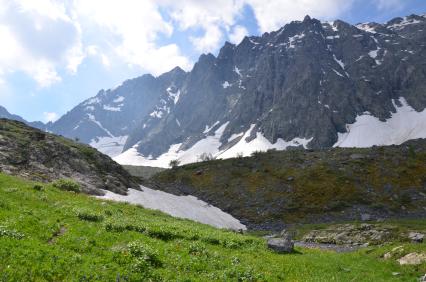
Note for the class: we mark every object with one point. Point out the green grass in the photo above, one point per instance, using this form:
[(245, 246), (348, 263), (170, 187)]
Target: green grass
[(55, 235)]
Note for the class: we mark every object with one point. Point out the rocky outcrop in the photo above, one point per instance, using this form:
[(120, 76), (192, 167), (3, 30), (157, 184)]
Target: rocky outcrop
[(41, 156), (349, 234)]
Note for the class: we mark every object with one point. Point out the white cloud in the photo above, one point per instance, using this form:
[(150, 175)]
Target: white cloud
[(212, 17), (273, 14), (237, 34), (50, 116), (131, 29), (210, 41), (38, 37), (385, 5)]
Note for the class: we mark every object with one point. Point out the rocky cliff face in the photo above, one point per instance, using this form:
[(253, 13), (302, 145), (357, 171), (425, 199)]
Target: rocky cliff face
[(37, 155), (106, 120), (312, 84)]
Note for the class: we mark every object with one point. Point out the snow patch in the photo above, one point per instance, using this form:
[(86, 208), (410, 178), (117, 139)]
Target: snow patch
[(208, 145), (173, 95), (260, 143), (237, 71), (112, 109), (367, 131), (366, 27), (403, 23), (119, 99), (292, 40), (226, 84), (91, 101), (208, 128), (188, 207), (111, 146)]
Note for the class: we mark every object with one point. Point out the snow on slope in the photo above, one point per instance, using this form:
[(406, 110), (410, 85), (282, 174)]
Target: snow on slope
[(208, 145), (111, 146), (367, 131), (178, 206), (260, 143)]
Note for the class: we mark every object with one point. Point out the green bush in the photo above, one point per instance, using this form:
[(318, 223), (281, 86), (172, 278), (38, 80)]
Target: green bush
[(4, 232), (67, 185), (144, 256), (89, 216), (38, 187), (196, 249)]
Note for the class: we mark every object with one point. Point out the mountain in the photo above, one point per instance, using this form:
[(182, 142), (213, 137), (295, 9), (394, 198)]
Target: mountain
[(5, 114), (271, 190), (106, 120), (34, 154), (310, 84)]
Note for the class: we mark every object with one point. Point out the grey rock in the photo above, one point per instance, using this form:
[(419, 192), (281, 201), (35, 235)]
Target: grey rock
[(416, 237), (281, 245), (365, 217), (412, 259)]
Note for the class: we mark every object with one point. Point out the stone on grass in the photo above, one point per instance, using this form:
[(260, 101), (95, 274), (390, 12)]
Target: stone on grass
[(416, 237), (412, 259), (281, 245)]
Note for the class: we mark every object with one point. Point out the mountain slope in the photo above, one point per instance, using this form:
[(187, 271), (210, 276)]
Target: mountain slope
[(273, 189), (5, 114), (37, 155), (309, 84), (106, 120)]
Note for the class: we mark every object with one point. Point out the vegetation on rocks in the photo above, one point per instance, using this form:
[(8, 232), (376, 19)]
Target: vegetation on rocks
[(272, 189), (41, 156)]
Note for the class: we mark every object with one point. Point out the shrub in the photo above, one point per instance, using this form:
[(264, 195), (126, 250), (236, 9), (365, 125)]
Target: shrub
[(257, 153), (174, 163), (67, 185), (196, 248), (204, 157), (4, 232), (144, 256), (162, 234), (38, 187), (89, 216)]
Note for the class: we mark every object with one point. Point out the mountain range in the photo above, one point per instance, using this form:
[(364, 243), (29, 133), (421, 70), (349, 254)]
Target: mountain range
[(310, 84)]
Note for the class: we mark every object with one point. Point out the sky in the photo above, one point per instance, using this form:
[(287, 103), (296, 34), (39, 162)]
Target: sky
[(55, 54)]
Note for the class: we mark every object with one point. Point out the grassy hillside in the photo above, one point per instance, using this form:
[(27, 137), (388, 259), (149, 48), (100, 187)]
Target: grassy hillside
[(51, 235), (143, 171), (271, 189)]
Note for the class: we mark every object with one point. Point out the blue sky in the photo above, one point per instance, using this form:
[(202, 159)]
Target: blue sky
[(55, 54)]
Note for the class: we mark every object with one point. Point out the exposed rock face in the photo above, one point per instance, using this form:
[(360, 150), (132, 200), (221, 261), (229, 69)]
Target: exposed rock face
[(348, 234), (106, 120), (302, 85), (37, 155)]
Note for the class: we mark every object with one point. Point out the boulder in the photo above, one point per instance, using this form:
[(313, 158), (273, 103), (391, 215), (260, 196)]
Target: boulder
[(416, 237), (281, 245), (412, 259), (423, 278)]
